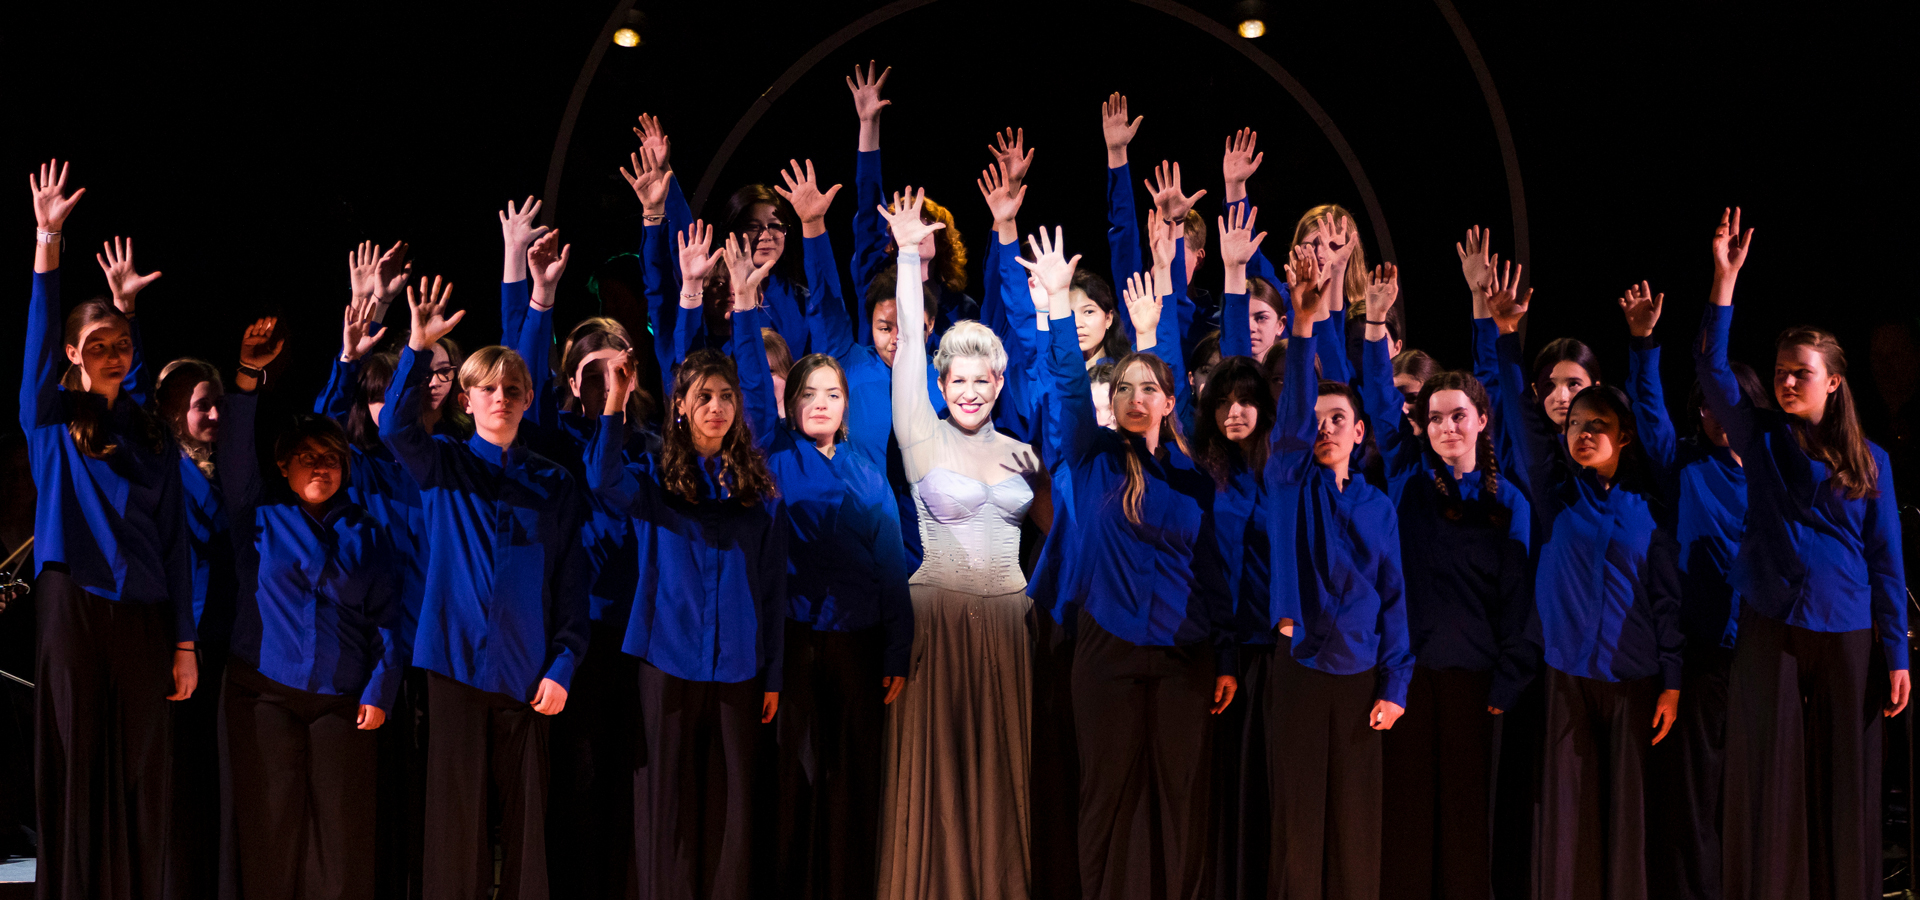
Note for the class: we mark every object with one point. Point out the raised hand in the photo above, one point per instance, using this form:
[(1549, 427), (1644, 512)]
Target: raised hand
[(258, 346), (619, 386), (803, 193), (648, 180), (653, 137), (517, 233), (1003, 196), (126, 284), (695, 261), (363, 270), (866, 90), (1012, 156), (1504, 300), (51, 202), (428, 306), (1240, 161), (745, 276), (1642, 308), (1338, 231), (1160, 238), (1304, 284), (360, 331), (546, 262), (1729, 244), (1237, 245), (1167, 198), (1050, 267), (1115, 128), (394, 270), (1476, 259), (1143, 307), (1383, 288), (904, 218)]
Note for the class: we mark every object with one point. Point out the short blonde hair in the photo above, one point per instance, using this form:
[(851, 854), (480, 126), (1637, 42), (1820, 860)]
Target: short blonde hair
[(968, 338), (494, 365)]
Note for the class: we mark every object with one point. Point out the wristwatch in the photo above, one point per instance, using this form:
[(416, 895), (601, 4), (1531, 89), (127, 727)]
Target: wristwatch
[(259, 375)]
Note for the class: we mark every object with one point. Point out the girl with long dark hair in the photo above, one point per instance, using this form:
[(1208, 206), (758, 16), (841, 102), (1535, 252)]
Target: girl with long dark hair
[(1821, 580), (115, 587)]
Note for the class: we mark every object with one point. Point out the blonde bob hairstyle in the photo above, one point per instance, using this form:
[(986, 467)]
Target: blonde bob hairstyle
[(970, 339)]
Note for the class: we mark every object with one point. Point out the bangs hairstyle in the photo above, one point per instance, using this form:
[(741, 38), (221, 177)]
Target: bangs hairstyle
[(791, 266), (1635, 470), (376, 375), (970, 339), (640, 406), (1564, 350), (949, 250), (495, 365), (1484, 461), (882, 290), (797, 378), (1100, 374), (1135, 491), (86, 413), (1751, 387), (743, 473), (320, 430), (1236, 378), (1422, 368), (175, 395), (1838, 440), (1114, 345), (1355, 283)]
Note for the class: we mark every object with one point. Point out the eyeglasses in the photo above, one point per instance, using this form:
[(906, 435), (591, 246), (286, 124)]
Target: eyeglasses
[(753, 231), (307, 459), (441, 376)]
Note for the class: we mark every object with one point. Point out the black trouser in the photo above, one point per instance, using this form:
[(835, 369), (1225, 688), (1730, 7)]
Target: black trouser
[(1593, 811), (590, 807), (1323, 772), (303, 790), (1141, 718), (1053, 842), (1685, 776), (1242, 815), (1517, 737), (400, 800), (1803, 763), (489, 752), (693, 796), (1438, 773), (831, 730), (193, 857), (102, 733)]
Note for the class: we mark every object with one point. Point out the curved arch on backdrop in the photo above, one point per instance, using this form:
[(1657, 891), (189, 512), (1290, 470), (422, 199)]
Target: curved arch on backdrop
[(1369, 199)]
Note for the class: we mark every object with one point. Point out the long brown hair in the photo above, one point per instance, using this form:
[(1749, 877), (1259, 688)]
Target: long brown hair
[(639, 403), (797, 376), (84, 412), (1838, 440), (743, 473), (177, 382), (1235, 378), (1136, 489), (1355, 283)]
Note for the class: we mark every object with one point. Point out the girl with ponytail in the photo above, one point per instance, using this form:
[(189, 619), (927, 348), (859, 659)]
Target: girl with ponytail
[(1470, 619), (1820, 582)]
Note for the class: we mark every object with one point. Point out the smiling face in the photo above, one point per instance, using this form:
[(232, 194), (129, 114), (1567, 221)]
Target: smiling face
[(1340, 430), (496, 409), (104, 353), (313, 471), (1090, 322), (1266, 326), (971, 387), (709, 409), (1453, 426), (822, 405), (203, 412), (1801, 381), (767, 233), (1237, 418), (1567, 379), (1595, 437)]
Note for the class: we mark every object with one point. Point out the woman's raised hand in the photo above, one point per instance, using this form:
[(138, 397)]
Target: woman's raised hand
[(258, 346), (363, 270), (1003, 195), (516, 225), (904, 218), (1505, 301), (1012, 156), (1237, 245), (1341, 239), (428, 306), (1051, 268), (1642, 309), (619, 386), (1240, 161), (1116, 130), (1730, 246), (866, 90), (360, 331), (695, 260), (1305, 283), (51, 202), (804, 194), (648, 180), (1143, 307), (126, 284), (653, 137), (1160, 243), (1383, 289), (546, 262), (391, 276), (1476, 260), (745, 276), (1168, 201)]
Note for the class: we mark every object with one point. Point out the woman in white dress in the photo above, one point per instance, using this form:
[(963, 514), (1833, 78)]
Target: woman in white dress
[(955, 813)]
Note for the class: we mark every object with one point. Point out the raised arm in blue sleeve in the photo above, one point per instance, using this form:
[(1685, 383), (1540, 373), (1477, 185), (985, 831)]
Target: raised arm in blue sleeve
[(1295, 424), (532, 342), (749, 351), (336, 398), (1526, 449), (1236, 325), (1719, 389), (1331, 339), (660, 283), (679, 215), (1649, 401), (1072, 394), (828, 321), (400, 427), (870, 234), (515, 297), (241, 486), (1399, 449), (1123, 232), (138, 382)]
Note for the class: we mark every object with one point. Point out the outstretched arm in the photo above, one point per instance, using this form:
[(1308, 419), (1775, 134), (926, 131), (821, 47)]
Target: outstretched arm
[(40, 381), (517, 233), (1718, 387), (869, 193), (1644, 390), (400, 427), (1295, 424), (1072, 391), (1238, 245), (1400, 450), (546, 262), (1123, 228), (914, 419)]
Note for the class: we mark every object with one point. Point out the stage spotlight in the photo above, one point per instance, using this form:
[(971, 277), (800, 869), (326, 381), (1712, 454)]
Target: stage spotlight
[(627, 37), (1252, 28)]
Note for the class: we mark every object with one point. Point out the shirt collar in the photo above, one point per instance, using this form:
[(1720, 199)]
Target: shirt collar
[(493, 453)]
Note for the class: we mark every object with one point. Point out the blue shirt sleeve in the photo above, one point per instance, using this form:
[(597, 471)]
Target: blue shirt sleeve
[(567, 622), (660, 279), (679, 215), (1331, 339), (336, 399), (1661, 578), (532, 342), (870, 235), (749, 351), (400, 427), (1399, 448), (1517, 619), (828, 321), (1072, 395), (385, 610), (1236, 325), (1295, 425), (240, 481), (40, 382), (138, 382), (1123, 232), (515, 297), (1649, 401)]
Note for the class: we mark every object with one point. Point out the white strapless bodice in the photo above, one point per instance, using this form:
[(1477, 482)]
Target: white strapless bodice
[(970, 532)]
